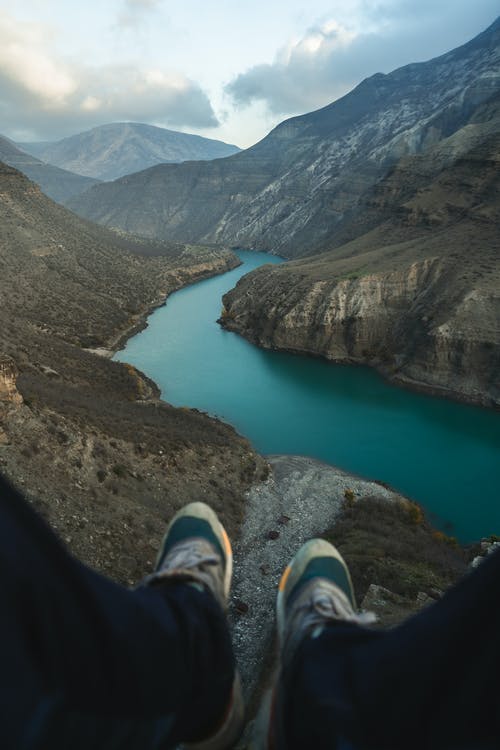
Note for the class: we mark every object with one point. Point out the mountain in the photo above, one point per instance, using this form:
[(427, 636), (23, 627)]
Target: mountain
[(414, 289), (291, 193), (87, 439), (110, 151), (58, 184)]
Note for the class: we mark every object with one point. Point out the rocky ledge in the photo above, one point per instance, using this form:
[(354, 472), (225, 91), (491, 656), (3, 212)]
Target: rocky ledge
[(398, 562)]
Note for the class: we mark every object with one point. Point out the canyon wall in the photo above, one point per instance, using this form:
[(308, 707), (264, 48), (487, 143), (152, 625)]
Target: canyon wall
[(417, 324)]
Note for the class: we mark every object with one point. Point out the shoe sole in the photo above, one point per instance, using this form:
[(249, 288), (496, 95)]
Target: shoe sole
[(203, 512), (313, 550)]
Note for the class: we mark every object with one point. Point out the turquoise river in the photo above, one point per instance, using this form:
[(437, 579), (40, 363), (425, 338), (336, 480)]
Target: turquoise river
[(443, 454)]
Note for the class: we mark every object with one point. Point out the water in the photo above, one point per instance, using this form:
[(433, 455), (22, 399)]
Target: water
[(443, 454)]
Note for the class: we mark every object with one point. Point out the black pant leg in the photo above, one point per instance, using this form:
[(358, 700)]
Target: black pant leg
[(430, 683), (84, 660)]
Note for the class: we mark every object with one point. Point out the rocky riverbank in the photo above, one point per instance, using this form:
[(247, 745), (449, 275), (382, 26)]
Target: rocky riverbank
[(187, 272)]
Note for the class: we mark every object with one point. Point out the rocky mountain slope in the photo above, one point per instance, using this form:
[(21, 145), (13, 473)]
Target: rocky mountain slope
[(110, 151), (416, 293), (85, 438), (291, 192), (58, 184)]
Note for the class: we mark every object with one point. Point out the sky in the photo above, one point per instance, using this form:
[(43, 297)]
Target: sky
[(222, 69)]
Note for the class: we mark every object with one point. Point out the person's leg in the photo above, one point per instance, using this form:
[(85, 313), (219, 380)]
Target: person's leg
[(87, 663), (430, 683)]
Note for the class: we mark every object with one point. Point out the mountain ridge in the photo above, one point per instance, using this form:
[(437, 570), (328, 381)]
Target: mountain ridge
[(109, 151)]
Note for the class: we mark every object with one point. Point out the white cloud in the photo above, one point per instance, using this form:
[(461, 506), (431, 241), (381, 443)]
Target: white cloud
[(142, 4), (302, 74), (133, 12), (45, 96), (24, 60), (361, 38)]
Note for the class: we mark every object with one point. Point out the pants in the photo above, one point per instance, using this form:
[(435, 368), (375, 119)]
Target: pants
[(86, 663), (432, 682)]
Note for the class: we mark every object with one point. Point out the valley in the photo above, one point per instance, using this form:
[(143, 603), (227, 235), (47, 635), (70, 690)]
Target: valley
[(385, 204), (344, 416), (387, 201)]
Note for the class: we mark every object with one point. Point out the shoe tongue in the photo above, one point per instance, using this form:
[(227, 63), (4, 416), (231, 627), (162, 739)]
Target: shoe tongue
[(188, 527), (324, 567)]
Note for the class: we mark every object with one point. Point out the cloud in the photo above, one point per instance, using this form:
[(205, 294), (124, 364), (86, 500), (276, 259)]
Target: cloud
[(142, 4), (361, 39), (300, 74), (42, 96), (134, 12)]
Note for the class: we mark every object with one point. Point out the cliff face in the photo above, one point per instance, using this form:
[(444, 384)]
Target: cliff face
[(415, 296), (292, 192), (378, 320)]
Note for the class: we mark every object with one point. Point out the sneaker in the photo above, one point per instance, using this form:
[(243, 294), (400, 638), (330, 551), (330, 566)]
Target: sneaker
[(315, 589), (196, 549)]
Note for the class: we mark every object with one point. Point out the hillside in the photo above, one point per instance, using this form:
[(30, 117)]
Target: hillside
[(86, 438), (291, 192), (416, 293), (110, 151), (58, 184)]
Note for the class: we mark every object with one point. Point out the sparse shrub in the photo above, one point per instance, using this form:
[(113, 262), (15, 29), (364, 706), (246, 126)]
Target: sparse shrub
[(226, 314), (443, 538), (120, 470), (349, 496), (415, 512)]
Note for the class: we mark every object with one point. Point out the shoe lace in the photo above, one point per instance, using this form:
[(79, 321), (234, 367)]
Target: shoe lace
[(189, 554), (320, 603), (194, 561)]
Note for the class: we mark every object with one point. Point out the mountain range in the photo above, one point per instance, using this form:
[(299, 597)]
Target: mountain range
[(293, 192), (110, 151)]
